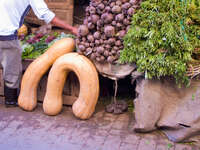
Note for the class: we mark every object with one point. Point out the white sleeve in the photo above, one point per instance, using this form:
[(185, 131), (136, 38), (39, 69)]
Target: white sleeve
[(41, 10)]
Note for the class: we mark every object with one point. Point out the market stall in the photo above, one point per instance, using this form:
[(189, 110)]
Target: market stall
[(157, 42)]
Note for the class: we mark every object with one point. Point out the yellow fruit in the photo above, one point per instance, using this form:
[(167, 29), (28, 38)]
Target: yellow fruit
[(23, 30)]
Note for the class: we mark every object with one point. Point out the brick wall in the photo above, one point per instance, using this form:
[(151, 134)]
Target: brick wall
[(63, 9)]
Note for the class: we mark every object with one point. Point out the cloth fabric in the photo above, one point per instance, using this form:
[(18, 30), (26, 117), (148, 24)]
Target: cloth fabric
[(10, 60), (13, 13), (162, 104)]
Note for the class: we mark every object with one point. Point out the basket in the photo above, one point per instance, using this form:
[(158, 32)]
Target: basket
[(193, 68)]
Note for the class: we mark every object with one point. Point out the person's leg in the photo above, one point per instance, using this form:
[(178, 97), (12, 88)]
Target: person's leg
[(12, 69)]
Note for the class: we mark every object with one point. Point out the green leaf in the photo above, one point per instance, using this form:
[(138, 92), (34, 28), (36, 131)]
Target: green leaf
[(160, 41)]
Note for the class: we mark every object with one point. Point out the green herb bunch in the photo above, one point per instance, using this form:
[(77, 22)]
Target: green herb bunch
[(161, 40)]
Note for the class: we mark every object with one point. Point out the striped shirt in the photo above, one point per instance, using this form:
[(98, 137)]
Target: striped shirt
[(13, 13)]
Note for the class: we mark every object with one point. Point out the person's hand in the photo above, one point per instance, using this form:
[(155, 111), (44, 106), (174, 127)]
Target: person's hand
[(60, 23), (74, 31)]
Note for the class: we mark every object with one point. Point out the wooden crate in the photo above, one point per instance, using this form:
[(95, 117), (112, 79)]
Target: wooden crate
[(64, 9), (70, 90), (1, 82)]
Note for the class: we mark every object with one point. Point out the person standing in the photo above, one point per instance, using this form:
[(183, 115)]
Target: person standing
[(12, 17)]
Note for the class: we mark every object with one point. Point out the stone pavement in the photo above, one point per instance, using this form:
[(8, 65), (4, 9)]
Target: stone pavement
[(20, 130)]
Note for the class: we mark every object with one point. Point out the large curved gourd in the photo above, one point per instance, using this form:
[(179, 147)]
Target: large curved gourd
[(28, 94), (84, 106)]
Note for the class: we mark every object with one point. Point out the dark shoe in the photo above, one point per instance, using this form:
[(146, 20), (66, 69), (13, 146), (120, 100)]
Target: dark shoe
[(11, 96), (11, 104)]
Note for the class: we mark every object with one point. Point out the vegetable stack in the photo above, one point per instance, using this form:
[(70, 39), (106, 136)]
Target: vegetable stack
[(163, 37), (106, 23)]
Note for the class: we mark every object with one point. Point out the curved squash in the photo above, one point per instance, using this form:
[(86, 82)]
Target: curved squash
[(84, 106), (28, 93)]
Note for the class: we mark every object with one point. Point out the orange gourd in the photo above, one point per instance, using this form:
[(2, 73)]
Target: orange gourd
[(84, 106), (28, 94)]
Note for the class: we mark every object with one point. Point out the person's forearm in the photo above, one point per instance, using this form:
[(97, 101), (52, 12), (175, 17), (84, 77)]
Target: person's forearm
[(57, 22), (60, 23)]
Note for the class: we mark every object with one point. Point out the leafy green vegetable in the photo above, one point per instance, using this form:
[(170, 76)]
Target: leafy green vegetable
[(34, 46), (160, 41)]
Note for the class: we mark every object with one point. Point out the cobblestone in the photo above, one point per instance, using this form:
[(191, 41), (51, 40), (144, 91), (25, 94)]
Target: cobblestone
[(112, 143), (21, 130), (183, 147), (147, 144), (128, 146)]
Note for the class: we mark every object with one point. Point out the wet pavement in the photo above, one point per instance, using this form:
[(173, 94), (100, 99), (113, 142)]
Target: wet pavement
[(21, 130)]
